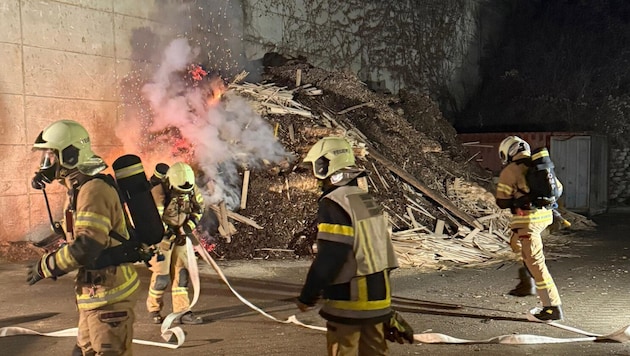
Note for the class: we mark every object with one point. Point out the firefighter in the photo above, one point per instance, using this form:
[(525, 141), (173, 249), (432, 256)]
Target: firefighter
[(180, 204), (105, 297), (354, 258), (528, 222)]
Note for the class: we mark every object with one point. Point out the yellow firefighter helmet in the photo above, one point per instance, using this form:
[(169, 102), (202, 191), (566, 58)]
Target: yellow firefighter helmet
[(180, 177), (67, 143), (329, 155), (510, 147)]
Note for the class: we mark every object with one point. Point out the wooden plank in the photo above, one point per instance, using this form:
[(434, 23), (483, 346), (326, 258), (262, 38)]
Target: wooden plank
[(435, 196), (291, 133), (439, 227), (244, 189)]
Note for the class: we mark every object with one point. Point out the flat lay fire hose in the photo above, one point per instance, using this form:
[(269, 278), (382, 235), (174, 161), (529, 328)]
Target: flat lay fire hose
[(175, 337)]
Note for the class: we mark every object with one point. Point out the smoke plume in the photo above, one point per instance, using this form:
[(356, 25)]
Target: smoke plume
[(199, 122)]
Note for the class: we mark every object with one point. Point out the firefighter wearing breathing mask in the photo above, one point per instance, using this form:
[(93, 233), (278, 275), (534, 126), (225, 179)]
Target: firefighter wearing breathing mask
[(105, 297), (528, 222), (180, 205), (354, 258)]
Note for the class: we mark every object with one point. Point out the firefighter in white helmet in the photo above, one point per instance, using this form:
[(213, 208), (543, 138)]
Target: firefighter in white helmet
[(105, 297), (354, 258), (528, 222), (180, 204)]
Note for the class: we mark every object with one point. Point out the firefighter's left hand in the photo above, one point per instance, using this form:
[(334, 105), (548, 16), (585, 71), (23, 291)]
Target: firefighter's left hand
[(398, 330), (34, 274)]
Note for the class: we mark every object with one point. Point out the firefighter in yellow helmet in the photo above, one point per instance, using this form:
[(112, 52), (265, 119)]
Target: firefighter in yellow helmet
[(93, 214), (354, 258), (528, 222), (180, 204)]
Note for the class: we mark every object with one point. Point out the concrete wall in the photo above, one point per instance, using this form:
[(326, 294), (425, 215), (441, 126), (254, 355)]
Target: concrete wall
[(61, 59), (87, 59)]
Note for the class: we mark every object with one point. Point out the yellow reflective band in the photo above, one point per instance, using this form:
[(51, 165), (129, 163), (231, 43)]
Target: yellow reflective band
[(360, 304), (336, 229), (546, 284), (64, 260), (122, 292), (363, 303), (362, 288), (540, 216), (504, 188), (93, 220), (179, 291), (155, 293), (366, 246), (542, 153), (129, 171)]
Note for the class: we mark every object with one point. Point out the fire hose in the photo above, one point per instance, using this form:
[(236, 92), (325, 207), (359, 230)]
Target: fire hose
[(176, 334)]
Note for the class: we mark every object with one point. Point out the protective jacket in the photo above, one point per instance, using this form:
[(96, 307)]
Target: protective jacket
[(355, 256), (512, 192), (92, 212), (177, 211)]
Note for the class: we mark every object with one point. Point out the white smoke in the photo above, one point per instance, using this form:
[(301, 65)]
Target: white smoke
[(224, 135)]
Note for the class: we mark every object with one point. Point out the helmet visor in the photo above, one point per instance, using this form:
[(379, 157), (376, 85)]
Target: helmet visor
[(182, 188), (49, 159), (321, 167)]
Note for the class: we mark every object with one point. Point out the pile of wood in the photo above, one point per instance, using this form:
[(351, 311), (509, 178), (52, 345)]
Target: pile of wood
[(473, 231)]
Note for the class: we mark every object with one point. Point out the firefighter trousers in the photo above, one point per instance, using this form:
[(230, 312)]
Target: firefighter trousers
[(107, 331), (353, 340), (528, 241), (172, 270)]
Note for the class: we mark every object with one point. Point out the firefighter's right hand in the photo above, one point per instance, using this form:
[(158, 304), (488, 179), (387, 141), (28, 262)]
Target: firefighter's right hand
[(35, 273)]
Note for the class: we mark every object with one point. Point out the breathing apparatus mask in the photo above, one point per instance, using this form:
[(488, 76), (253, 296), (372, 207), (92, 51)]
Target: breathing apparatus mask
[(49, 169)]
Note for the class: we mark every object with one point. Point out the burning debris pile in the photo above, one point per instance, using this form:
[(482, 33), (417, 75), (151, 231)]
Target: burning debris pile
[(303, 104), (437, 201)]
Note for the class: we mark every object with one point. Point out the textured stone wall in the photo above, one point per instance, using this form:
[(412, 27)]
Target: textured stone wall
[(619, 176), (431, 45), (64, 59)]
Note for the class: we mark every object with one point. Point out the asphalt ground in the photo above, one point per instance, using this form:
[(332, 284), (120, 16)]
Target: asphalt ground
[(590, 268)]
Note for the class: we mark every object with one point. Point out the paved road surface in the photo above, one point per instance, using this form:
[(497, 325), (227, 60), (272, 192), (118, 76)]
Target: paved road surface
[(591, 270)]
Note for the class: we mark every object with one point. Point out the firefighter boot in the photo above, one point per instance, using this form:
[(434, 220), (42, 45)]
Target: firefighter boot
[(190, 319), (549, 314), (156, 317), (526, 286)]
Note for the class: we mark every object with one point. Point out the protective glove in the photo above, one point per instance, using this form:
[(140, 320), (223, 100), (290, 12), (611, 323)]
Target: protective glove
[(398, 330), (38, 271), (34, 274)]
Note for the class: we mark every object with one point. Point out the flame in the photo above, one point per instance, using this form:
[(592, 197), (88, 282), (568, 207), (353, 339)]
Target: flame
[(216, 90)]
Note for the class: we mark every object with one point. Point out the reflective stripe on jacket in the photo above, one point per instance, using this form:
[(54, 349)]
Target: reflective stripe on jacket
[(512, 184), (361, 290), (184, 210), (98, 211)]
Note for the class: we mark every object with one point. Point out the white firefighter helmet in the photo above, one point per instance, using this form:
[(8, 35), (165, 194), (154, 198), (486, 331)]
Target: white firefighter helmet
[(67, 143), (329, 155), (180, 177), (510, 147)]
